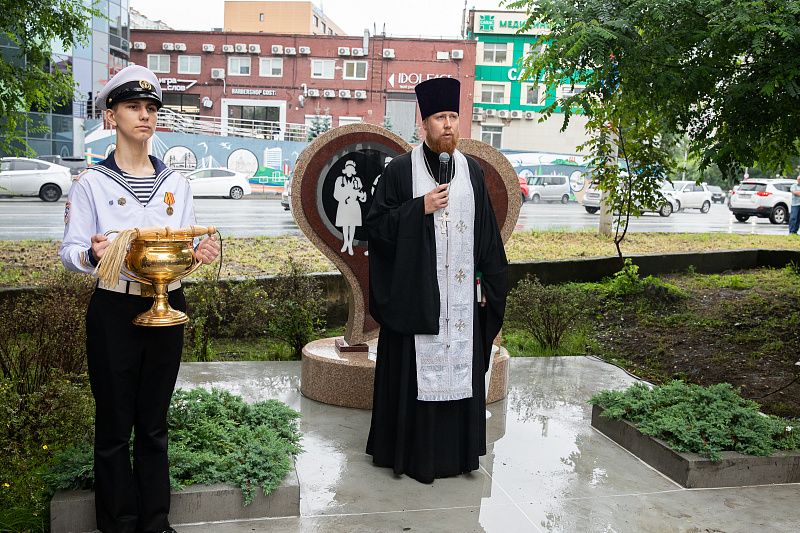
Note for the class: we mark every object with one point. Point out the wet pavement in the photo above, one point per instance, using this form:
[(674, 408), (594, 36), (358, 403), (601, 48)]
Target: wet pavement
[(546, 469)]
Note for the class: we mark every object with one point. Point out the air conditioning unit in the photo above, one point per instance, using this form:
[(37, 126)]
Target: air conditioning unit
[(360, 95), (329, 93), (168, 46), (180, 47), (254, 48), (139, 45), (529, 115), (491, 112), (477, 118), (516, 114), (477, 111), (442, 56), (208, 48), (344, 93), (503, 113), (227, 48), (344, 51), (305, 50), (457, 54), (217, 73), (240, 48), (276, 49), (357, 52), (388, 53), (290, 51), (313, 93)]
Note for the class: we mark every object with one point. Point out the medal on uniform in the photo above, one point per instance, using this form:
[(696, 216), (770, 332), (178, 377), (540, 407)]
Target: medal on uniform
[(169, 199), (121, 200)]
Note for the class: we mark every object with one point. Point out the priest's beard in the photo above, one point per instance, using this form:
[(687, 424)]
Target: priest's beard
[(443, 144)]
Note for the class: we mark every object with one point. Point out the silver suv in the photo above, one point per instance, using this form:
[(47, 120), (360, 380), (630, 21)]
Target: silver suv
[(763, 198)]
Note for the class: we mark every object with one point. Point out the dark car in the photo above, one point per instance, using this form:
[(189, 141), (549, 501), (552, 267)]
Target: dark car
[(717, 194)]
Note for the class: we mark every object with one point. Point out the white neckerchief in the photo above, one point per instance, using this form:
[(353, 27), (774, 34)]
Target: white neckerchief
[(444, 361)]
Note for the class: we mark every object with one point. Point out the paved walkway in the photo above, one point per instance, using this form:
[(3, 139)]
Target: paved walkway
[(546, 469)]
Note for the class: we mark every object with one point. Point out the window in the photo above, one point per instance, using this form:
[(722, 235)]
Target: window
[(533, 94), (271, 67), (355, 70), (239, 66), (186, 103), (316, 21), (492, 135), (344, 121), (569, 90), (188, 64), (158, 63), (495, 52), (492, 94), (324, 28), (261, 17), (322, 68)]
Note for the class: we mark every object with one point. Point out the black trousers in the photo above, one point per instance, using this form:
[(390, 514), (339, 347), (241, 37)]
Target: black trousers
[(132, 370)]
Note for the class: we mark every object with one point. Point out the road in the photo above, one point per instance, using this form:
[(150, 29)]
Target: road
[(23, 218)]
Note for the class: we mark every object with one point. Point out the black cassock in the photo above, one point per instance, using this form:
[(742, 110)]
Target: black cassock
[(423, 439)]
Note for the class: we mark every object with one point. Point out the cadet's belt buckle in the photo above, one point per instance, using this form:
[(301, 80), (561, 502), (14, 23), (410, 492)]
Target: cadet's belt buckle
[(147, 290)]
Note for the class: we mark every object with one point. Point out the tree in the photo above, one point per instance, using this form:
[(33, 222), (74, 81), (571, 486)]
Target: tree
[(387, 123), (722, 74), (415, 136), (319, 125), (30, 79)]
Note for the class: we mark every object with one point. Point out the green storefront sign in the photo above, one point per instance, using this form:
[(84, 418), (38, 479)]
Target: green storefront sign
[(487, 22)]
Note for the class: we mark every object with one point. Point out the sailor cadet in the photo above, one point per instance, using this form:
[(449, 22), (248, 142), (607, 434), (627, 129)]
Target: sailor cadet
[(132, 369)]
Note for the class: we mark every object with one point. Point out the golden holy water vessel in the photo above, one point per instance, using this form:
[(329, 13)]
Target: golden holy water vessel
[(158, 257)]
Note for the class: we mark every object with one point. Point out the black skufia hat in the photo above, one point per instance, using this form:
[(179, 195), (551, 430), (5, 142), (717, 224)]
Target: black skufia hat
[(437, 95)]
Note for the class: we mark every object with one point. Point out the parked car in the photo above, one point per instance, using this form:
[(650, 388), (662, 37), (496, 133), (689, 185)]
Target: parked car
[(763, 198), (523, 189), (592, 196), (21, 176), (219, 182), (286, 195), (691, 195), (717, 194), (548, 189), (76, 165)]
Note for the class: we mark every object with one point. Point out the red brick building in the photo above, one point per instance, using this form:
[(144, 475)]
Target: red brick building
[(282, 78)]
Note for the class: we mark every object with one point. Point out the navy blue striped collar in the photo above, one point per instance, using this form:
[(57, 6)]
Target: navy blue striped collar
[(109, 167)]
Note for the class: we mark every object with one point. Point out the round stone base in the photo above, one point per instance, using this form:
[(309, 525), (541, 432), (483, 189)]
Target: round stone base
[(346, 378)]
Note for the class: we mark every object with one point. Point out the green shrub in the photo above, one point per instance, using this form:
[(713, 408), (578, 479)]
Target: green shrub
[(36, 427), (703, 420), (43, 332), (214, 437), (222, 310), (546, 312), (297, 309), (628, 284)]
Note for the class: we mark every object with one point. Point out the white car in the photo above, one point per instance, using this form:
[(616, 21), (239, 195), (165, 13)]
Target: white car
[(548, 189), (286, 195), (21, 176), (592, 196), (219, 182), (691, 195), (762, 198)]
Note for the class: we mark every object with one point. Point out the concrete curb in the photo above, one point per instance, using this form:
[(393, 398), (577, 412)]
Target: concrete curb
[(73, 512), (694, 471)]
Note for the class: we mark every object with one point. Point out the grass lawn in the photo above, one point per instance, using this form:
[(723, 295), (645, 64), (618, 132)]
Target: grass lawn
[(24, 262)]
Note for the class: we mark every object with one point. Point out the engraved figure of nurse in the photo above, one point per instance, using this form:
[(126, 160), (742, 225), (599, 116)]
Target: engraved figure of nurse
[(347, 191)]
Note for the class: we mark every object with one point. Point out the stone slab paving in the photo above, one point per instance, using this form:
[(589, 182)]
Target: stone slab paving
[(546, 468)]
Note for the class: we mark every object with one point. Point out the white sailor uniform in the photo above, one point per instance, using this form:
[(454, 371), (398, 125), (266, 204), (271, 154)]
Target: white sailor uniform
[(101, 200)]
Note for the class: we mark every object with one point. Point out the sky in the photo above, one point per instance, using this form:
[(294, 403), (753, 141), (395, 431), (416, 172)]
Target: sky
[(403, 18)]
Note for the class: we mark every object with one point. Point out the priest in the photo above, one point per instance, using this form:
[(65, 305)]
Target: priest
[(438, 284)]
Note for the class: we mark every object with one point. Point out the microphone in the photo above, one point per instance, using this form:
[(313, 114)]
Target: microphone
[(444, 175)]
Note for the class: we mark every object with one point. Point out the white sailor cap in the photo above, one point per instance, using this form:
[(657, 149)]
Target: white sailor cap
[(130, 83)]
